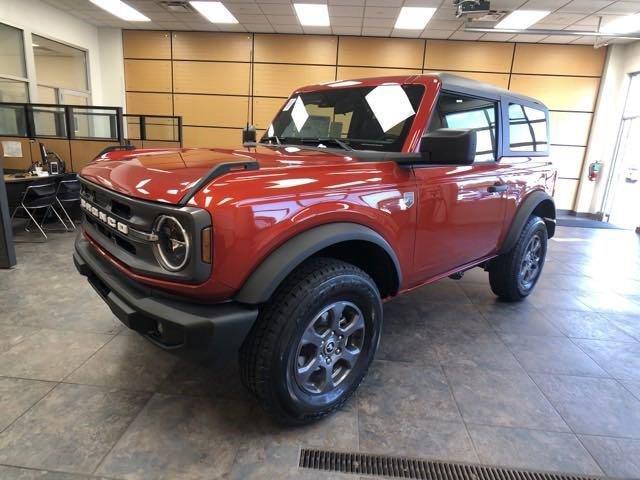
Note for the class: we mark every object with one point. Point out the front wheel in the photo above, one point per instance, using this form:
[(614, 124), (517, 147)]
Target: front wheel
[(514, 275), (313, 341)]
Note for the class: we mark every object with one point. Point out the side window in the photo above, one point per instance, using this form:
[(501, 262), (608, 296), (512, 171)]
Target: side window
[(460, 111), (527, 129)]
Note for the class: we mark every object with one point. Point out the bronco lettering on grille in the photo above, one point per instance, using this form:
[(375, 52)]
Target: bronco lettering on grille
[(103, 217)]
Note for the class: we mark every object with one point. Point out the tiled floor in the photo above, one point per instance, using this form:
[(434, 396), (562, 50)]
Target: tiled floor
[(552, 383)]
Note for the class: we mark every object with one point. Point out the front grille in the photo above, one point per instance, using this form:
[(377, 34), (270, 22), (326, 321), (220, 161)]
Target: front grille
[(121, 209), (418, 469), (134, 247)]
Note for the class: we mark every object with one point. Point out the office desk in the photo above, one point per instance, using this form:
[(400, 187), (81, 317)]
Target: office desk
[(11, 178)]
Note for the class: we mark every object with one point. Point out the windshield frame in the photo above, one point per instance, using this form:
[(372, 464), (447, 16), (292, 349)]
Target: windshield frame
[(408, 143)]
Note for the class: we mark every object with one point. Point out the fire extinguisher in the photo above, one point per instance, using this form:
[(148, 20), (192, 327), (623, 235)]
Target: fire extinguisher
[(594, 171)]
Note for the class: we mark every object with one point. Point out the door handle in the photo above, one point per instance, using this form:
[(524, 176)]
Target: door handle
[(497, 188)]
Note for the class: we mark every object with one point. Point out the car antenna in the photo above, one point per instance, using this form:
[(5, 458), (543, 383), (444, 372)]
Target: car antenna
[(249, 132)]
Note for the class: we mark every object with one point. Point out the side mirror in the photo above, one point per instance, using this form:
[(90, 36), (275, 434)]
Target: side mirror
[(449, 146), (249, 135)]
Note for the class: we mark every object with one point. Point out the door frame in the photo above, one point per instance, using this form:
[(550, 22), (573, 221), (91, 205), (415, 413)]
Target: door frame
[(614, 172)]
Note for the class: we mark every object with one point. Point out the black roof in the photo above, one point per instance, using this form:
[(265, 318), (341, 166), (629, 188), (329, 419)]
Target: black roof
[(486, 90)]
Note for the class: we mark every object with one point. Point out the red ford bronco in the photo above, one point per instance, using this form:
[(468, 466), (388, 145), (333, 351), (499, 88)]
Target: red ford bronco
[(359, 191)]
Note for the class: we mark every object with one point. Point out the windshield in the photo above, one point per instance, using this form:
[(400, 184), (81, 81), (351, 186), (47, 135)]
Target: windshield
[(360, 118)]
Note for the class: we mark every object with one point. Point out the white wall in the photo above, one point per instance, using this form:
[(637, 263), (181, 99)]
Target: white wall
[(112, 66), (622, 60), (35, 16)]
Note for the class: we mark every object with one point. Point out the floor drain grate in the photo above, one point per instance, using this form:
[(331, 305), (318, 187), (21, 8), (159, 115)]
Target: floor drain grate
[(403, 467)]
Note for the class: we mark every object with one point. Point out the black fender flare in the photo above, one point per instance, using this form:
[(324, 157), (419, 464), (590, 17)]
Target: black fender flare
[(264, 280), (523, 213)]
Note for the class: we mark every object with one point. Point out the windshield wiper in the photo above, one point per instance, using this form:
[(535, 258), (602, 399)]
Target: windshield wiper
[(341, 143)]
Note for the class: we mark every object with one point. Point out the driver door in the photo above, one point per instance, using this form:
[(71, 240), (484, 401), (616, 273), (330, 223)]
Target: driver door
[(461, 208)]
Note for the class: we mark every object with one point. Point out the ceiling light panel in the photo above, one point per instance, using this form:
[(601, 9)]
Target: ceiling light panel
[(628, 24), (414, 18), (121, 10), (522, 19), (312, 14), (215, 12)]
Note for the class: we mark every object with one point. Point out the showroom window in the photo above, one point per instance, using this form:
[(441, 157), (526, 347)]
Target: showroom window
[(527, 129), (61, 72), (13, 70), (459, 111)]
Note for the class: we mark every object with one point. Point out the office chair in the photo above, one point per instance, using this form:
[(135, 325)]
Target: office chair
[(38, 197), (68, 192)]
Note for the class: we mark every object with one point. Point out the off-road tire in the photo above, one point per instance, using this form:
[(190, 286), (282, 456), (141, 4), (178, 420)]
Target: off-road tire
[(266, 354), (504, 271)]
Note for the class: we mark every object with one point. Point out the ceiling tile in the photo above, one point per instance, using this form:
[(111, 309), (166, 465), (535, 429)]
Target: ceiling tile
[(259, 27), (317, 30), (585, 6), (497, 37), (400, 32), (507, 4), (255, 19), (272, 9), (345, 11), (379, 22), (557, 39), (287, 28), (528, 38), (585, 40), (550, 5), (380, 12), (376, 32), (243, 8), (337, 30), (283, 20), (622, 8), (359, 3), (439, 34), (423, 3), (562, 18), (346, 21), (445, 24), (384, 3), (461, 35)]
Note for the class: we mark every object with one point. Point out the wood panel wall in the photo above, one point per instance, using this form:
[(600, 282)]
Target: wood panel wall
[(219, 81)]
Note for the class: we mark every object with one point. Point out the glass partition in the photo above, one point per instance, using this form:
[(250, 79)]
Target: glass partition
[(49, 121), (94, 123), (13, 120), (13, 91), (157, 128)]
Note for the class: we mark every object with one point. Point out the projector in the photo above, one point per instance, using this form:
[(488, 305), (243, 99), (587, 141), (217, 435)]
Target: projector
[(471, 7)]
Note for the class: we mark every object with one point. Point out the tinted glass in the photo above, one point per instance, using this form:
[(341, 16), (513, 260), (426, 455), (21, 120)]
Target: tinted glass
[(458, 111), (527, 129), (364, 118)]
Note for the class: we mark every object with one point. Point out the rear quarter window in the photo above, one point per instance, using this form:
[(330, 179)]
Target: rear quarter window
[(528, 129)]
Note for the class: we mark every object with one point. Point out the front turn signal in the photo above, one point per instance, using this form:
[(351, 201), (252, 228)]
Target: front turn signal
[(206, 244)]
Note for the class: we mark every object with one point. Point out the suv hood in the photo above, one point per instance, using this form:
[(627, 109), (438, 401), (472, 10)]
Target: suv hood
[(166, 175)]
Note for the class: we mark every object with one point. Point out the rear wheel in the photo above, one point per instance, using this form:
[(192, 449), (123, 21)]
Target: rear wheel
[(514, 275), (313, 341)]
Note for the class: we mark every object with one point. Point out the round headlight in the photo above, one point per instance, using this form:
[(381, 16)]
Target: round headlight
[(172, 247)]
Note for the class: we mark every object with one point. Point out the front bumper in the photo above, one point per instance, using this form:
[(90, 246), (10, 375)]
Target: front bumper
[(167, 322)]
